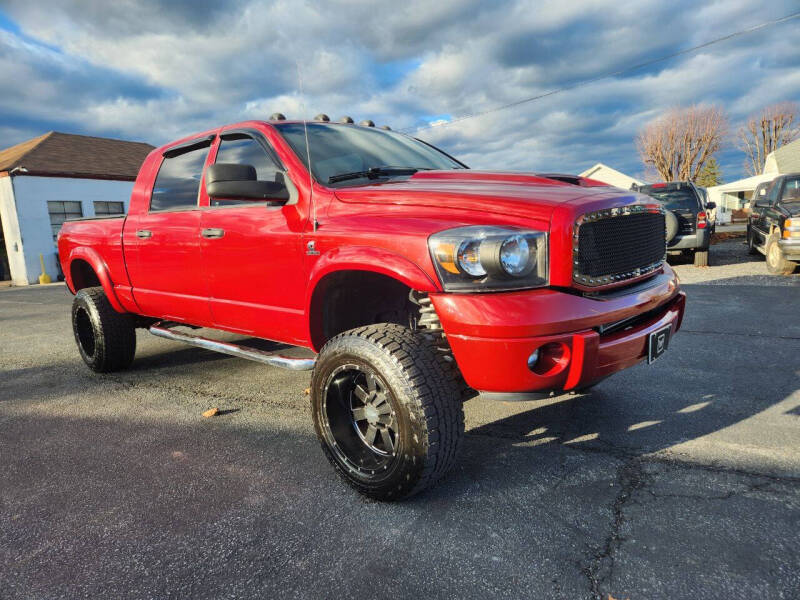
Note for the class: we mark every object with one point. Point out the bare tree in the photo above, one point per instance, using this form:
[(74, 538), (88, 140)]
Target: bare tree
[(678, 144), (767, 131)]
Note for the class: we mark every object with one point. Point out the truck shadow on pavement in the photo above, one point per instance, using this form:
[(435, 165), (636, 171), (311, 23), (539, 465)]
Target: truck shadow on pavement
[(713, 377)]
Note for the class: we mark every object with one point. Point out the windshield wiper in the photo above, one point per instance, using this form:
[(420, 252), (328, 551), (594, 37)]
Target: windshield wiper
[(374, 173)]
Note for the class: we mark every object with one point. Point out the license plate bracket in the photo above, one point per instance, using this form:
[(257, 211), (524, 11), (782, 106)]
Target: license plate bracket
[(657, 343)]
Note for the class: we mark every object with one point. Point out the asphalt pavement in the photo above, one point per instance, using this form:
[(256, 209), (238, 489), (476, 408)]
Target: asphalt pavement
[(676, 480)]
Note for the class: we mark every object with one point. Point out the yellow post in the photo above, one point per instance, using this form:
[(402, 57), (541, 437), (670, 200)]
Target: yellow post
[(44, 277)]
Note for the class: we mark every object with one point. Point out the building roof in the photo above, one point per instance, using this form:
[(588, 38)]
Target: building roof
[(785, 159), (610, 175), (748, 184), (57, 154)]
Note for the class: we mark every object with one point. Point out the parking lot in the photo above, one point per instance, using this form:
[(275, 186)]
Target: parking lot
[(676, 480)]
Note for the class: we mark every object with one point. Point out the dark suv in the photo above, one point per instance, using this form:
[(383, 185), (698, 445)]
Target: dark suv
[(690, 232), (773, 227)]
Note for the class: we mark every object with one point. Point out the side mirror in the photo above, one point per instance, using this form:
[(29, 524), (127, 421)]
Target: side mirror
[(238, 182), (711, 205)]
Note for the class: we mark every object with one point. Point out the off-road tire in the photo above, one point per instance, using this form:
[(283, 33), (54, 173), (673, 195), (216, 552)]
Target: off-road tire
[(751, 243), (427, 408), (776, 262), (106, 339), (701, 258)]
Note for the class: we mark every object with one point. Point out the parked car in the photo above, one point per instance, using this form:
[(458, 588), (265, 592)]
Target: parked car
[(693, 233), (773, 227), (416, 281)]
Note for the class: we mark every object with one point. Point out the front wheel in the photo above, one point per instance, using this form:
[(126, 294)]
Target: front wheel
[(776, 263), (387, 415)]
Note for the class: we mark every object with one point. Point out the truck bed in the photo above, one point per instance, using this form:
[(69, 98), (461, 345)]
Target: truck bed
[(101, 236)]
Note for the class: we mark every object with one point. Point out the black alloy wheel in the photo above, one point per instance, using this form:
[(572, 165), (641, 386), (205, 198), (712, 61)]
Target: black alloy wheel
[(360, 419), (387, 411)]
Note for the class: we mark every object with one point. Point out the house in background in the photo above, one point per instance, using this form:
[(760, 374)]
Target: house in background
[(55, 177), (606, 174), (785, 159), (736, 194)]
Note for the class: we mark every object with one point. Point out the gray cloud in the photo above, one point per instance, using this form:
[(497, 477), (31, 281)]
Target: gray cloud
[(156, 70)]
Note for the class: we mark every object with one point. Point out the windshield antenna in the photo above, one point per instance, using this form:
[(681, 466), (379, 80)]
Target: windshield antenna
[(312, 204)]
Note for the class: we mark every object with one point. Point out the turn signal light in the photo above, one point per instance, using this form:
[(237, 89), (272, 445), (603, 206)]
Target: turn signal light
[(791, 228), (701, 220)]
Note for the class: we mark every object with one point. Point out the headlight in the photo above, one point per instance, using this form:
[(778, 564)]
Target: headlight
[(489, 258)]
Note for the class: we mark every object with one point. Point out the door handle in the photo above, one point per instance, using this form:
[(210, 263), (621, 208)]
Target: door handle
[(212, 233), (144, 234)]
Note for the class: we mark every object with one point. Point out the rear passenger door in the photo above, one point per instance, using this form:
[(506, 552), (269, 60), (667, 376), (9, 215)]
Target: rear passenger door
[(162, 246), (252, 251)]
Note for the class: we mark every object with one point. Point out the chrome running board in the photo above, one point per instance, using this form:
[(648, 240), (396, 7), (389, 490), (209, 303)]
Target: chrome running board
[(275, 360)]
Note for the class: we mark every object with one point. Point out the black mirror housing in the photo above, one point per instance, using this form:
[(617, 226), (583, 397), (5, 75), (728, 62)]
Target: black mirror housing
[(711, 205), (238, 182)]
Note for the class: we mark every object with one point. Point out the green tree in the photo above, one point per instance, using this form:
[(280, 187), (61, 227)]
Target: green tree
[(710, 174)]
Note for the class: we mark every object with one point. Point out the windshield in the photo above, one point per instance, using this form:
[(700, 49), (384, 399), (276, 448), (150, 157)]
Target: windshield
[(673, 198), (791, 191), (343, 149)]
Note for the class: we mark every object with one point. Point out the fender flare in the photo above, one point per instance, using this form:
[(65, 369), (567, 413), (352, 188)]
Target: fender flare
[(98, 265), (365, 258)]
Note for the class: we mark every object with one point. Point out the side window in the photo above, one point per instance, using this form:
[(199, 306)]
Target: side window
[(247, 151), (102, 207), (791, 190), (772, 192), (178, 180), (60, 212), (241, 149)]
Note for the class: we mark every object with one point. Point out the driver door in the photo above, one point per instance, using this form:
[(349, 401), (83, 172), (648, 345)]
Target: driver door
[(251, 251), (763, 206)]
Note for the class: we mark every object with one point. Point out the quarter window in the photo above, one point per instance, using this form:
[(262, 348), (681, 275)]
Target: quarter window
[(102, 207), (60, 212), (178, 181)]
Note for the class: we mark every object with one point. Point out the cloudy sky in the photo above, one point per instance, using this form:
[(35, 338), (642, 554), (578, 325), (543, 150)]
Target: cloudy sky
[(155, 70)]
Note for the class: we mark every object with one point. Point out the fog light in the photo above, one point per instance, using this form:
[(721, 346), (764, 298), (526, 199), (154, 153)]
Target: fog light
[(533, 359), (549, 360)]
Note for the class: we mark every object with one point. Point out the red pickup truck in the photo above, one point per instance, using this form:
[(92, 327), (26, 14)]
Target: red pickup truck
[(416, 281)]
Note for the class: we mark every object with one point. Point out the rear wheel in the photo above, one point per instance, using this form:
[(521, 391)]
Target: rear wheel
[(106, 339), (776, 263), (387, 415)]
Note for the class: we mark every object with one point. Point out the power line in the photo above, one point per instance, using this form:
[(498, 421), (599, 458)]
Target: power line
[(607, 75)]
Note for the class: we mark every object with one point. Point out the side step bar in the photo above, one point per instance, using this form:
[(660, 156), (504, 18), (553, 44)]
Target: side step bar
[(275, 360)]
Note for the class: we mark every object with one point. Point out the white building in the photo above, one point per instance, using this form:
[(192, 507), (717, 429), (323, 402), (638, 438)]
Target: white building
[(54, 177), (736, 194), (606, 174)]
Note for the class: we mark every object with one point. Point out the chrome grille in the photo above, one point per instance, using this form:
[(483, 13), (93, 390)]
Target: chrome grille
[(617, 244)]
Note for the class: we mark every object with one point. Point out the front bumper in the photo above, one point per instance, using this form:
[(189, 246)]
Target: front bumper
[(700, 239), (790, 248), (493, 335)]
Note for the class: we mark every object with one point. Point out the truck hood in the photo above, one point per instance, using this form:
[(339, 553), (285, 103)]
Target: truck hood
[(506, 193)]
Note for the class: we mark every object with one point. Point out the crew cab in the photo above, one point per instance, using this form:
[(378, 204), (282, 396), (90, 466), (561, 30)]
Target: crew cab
[(773, 225), (689, 228), (415, 281)]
